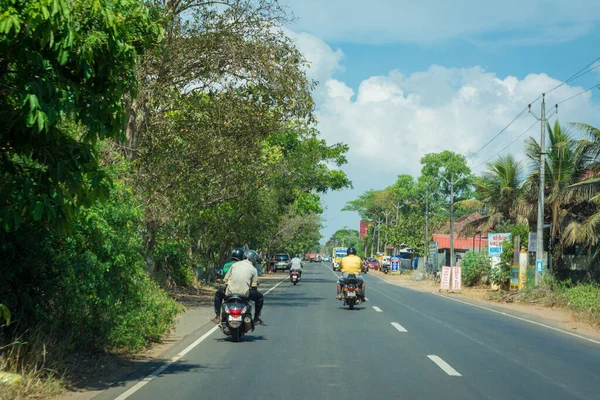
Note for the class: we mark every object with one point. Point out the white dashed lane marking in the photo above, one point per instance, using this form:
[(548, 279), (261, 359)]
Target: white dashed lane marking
[(444, 366)]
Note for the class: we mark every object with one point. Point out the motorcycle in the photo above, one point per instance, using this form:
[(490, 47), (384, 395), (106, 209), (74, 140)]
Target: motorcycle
[(385, 268), (351, 292), (365, 268), (294, 277), (236, 317)]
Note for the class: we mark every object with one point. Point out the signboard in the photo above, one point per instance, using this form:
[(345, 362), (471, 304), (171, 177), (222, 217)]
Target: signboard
[(363, 229), (445, 282), (539, 265), (456, 278), (532, 245), (395, 263), (433, 255), (495, 241)]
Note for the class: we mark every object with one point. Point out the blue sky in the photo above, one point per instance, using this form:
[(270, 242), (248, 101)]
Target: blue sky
[(399, 79)]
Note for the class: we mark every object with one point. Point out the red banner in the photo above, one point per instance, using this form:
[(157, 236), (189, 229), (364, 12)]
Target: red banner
[(363, 229)]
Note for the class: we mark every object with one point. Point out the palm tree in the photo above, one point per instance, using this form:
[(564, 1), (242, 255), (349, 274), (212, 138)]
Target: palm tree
[(500, 192), (565, 166), (585, 230)]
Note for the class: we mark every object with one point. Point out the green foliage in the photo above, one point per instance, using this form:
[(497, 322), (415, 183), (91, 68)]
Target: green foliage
[(476, 266), (172, 260), (66, 70), (92, 283), (585, 298), (5, 314)]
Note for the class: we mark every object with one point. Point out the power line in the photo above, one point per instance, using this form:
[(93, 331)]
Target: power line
[(507, 146), (499, 133), (576, 75), (578, 94)]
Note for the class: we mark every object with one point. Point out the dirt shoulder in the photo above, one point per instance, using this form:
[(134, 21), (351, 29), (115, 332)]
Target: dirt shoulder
[(561, 318), (90, 374)]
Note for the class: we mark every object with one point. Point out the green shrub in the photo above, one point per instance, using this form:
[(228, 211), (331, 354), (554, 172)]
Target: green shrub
[(90, 284), (584, 298), (476, 266), (171, 259)]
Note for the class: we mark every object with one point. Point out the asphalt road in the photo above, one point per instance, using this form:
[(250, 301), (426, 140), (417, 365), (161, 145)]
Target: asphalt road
[(401, 344)]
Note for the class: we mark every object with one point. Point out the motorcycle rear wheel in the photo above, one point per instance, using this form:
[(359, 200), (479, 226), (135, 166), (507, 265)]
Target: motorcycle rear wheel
[(236, 335), (351, 304)]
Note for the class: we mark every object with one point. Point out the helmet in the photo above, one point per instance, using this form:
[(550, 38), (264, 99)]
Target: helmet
[(252, 256), (237, 254), (351, 250)]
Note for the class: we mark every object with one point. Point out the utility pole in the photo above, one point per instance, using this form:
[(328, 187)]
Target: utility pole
[(386, 213), (425, 241), (379, 221), (539, 253), (452, 219), (452, 182)]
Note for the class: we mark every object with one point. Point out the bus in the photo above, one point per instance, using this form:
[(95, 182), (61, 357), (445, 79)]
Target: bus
[(338, 254)]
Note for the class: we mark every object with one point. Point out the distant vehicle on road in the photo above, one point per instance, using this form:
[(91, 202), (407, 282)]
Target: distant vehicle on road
[(326, 259), (373, 263), (282, 261)]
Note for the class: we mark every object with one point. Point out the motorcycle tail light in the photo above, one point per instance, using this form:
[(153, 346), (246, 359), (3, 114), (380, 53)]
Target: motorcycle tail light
[(235, 311)]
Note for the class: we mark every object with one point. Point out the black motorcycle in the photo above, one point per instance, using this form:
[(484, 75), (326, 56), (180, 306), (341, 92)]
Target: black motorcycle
[(351, 293), (236, 317)]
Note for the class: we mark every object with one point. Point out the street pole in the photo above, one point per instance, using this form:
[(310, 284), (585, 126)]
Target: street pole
[(425, 242), (387, 213), (379, 221), (452, 182), (539, 253), (452, 219)]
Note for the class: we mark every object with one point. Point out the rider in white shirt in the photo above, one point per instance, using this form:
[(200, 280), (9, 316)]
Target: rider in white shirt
[(296, 265)]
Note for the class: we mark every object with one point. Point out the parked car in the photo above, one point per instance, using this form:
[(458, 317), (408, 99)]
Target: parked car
[(282, 261), (373, 263)]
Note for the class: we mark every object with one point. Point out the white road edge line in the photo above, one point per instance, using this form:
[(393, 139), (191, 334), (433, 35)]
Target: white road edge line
[(523, 319), (501, 313), (399, 327), (176, 358), (444, 366), (377, 309)]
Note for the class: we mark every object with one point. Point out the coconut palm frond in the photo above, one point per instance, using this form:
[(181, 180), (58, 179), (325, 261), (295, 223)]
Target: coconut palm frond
[(473, 205), (591, 131), (587, 189), (585, 233)]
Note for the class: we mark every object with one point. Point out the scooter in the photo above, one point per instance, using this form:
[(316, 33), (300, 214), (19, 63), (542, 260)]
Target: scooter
[(294, 277)]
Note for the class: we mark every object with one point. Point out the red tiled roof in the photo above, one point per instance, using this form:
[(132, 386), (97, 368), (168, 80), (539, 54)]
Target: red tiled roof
[(460, 242)]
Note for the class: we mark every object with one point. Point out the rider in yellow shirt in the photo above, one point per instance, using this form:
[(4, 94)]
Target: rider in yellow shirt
[(351, 264)]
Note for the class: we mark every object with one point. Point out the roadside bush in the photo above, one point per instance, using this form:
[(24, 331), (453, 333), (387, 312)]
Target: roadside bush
[(90, 284), (585, 298), (476, 266)]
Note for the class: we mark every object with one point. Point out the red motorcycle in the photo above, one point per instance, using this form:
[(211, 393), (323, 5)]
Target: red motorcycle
[(294, 277)]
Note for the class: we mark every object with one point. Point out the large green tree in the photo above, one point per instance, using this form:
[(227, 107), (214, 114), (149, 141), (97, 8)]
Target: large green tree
[(66, 68)]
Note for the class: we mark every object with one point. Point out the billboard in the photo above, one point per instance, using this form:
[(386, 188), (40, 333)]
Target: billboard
[(363, 230), (495, 241)]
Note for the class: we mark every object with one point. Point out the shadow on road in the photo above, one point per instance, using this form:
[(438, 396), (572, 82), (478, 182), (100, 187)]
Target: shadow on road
[(248, 338), (125, 371)]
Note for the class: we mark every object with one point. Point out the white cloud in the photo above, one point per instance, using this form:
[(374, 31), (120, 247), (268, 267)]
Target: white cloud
[(393, 120), (431, 21)]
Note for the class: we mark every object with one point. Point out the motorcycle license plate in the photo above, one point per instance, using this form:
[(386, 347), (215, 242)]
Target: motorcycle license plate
[(351, 294), (234, 318)]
